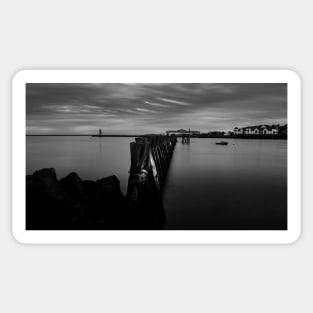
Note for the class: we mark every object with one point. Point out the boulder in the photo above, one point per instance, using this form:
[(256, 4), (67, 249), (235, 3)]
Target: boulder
[(73, 187), (74, 206), (44, 183), (72, 203), (105, 202), (44, 199)]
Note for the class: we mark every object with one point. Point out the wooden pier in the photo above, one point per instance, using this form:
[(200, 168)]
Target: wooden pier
[(185, 140), (150, 160)]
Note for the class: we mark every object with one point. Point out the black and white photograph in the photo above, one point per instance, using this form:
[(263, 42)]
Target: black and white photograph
[(156, 156)]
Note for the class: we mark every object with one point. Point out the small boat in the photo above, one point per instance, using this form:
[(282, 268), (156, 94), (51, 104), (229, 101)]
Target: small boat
[(222, 143)]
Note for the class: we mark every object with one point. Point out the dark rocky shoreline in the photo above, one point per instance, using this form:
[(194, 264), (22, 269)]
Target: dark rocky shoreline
[(75, 204)]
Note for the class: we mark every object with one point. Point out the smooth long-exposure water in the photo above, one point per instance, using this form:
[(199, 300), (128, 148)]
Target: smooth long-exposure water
[(90, 157), (239, 186)]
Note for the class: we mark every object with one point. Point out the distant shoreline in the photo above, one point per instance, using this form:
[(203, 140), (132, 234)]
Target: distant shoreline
[(90, 135), (275, 137)]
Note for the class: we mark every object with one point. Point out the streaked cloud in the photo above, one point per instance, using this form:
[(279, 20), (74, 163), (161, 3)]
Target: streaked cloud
[(173, 101), (145, 110), (137, 108), (157, 104)]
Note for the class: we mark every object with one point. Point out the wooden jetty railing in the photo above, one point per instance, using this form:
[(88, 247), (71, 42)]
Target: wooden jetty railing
[(150, 160)]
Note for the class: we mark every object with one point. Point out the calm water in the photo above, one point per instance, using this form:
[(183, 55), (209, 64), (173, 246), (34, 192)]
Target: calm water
[(239, 186), (90, 157)]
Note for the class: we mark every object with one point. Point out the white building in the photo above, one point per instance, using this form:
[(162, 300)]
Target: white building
[(257, 130)]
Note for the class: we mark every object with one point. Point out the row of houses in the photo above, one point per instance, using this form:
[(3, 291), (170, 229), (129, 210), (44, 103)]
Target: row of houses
[(257, 130), (280, 130)]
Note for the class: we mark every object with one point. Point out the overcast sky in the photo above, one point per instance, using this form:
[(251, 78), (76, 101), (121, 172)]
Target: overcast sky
[(147, 108)]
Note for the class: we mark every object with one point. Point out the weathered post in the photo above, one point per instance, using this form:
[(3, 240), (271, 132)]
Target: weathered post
[(185, 139), (150, 159)]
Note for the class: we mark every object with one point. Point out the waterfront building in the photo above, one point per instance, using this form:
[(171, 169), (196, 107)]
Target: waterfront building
[(257, 130), (180, 132)]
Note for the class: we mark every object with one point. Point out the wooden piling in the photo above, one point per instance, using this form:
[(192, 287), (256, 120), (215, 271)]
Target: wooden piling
[(150, 160), (185, 139)]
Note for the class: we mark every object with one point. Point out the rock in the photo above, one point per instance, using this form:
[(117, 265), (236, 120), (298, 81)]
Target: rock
[(72, 203), (74, 206), (89, 188), (106, 202), (43, 199), (44, 182), (109, 187), (73, 186)]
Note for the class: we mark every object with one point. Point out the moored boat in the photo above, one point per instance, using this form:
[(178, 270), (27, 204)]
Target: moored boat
[(222, 143)]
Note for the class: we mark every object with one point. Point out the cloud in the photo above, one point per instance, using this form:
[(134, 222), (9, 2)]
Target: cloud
[(173, 101), (145, 110), (156, 104), (136, 108)]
